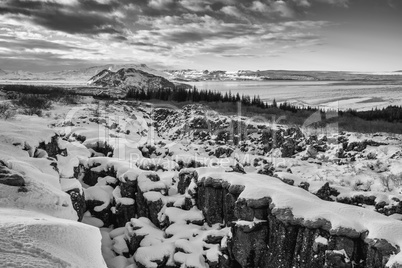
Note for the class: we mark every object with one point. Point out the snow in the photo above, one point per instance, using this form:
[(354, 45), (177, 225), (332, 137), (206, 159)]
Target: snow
[(250, 224), (148, 256), (100, 193), (146, 184), (92, 221), (70, 184), (39, 197), (185, 230), (38, 240), (183, 216), (321, 240), (120, 245)]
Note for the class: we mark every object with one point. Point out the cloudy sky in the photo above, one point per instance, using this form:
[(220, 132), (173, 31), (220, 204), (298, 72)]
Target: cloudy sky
[(351, 35)]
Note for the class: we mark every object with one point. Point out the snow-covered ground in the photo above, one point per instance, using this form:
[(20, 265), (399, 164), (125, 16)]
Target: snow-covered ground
[(38, 223), (121, 155)]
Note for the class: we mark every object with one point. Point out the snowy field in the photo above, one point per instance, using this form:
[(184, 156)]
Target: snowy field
[(135, 177), (330, 94)]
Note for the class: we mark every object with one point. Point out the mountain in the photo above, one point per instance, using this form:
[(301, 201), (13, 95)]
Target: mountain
[(129, 77), (82, 74), (205, 75), (241, 75)]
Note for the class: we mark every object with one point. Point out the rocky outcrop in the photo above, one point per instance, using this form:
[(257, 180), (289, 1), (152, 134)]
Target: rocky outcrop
[(209, 215), (261, 239)]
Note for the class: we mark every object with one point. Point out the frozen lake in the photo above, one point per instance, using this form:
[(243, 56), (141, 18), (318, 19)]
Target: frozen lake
[(342, 95)]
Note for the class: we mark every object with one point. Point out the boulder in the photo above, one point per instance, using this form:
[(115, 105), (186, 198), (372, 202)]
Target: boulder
[(10, 177)]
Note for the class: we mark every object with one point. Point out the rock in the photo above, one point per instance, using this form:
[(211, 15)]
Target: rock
[(78, 199), (52, 148), (295, 133), (128, 188), (185, 178), (223, 151), (304, 185), (312, 151), (336, 259), (249, 248), (288, 181), (10, 177), (105, 215), (90, 177), (209, 201), (356, 146), (325, 192), (267, 169), (123, 214), (288, 148), (238, 168)]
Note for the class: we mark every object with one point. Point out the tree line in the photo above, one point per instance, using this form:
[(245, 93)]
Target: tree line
[(196, 95), (392, 113)]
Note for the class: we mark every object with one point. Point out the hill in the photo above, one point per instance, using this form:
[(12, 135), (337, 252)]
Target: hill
[(129, 78)]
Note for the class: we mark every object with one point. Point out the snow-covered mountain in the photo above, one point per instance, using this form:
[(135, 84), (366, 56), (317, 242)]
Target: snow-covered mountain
[(204, 75), (260, 75), (129, 77)]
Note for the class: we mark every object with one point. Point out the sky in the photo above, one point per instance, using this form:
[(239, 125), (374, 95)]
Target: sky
[(343, 35)]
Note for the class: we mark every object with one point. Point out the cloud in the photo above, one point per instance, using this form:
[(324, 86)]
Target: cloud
[(57, 31), (195, 5), (340, 3), (84, 17), (232, 11), (282, 8), (161, 4), (259, 7)]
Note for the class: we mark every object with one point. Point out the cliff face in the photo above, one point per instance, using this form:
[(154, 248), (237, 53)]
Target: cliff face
[(264, 235), (129, 77), (229, 219)]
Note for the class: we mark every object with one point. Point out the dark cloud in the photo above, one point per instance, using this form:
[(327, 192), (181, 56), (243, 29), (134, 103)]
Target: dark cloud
[(92, 5), (185, 36), (76, 23), (85, 17), (219, 49)]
